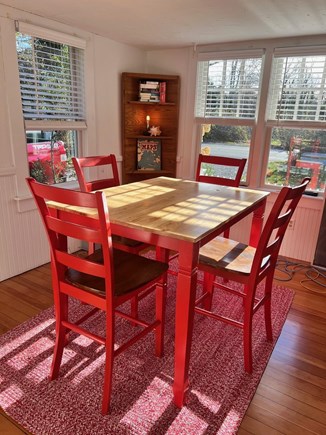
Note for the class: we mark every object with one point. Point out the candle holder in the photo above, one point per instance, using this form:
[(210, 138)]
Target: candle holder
[(147, 132)]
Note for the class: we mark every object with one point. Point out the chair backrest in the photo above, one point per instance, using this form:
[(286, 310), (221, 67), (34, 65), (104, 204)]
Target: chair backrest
[(237, 164), (276, 225), (94, 161), (65, 224)]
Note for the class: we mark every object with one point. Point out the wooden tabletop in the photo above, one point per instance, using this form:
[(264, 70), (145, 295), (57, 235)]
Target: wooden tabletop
[(185, 210)]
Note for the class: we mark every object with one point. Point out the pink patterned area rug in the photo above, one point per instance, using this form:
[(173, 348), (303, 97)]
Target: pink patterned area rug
[(142, 400)]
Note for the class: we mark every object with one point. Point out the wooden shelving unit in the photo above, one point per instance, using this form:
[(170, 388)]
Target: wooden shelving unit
[(165, 115)]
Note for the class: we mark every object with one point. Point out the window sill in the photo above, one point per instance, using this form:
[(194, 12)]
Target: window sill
[(26, 203)]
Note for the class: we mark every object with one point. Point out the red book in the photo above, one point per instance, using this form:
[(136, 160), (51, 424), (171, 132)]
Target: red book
[(162, 92)]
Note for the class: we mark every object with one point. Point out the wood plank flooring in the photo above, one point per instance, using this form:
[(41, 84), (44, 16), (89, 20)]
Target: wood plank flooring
[(291, 397)]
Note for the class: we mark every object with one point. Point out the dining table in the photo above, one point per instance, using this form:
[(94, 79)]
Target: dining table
[(180, 215)]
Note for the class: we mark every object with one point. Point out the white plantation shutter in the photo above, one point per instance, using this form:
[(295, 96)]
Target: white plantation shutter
[(297, 89), (51, 79), (228, 87)]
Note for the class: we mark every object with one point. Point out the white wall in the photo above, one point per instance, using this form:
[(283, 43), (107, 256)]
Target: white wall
[(23, 243)]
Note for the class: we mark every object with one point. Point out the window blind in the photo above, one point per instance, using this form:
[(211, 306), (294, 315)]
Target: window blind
[(51, 79), (297, 90), (228, 88)]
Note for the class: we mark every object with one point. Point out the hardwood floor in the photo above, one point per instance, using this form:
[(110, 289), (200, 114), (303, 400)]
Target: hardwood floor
[(291, 397)]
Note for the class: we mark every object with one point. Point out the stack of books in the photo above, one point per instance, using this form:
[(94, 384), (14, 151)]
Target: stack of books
[(152, 91)]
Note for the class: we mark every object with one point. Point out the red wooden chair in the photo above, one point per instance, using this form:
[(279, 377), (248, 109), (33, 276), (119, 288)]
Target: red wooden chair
[(110, 163), (103, 280), (95, 161), (123, 243), (233, 261), (238, 166)]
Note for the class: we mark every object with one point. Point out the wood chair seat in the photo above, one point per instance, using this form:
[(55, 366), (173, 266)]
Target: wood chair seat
[(228, 255), (130, 272)]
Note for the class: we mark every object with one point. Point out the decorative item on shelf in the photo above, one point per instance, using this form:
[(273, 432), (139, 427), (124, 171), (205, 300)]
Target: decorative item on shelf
[(155, 130), (162, 92), (149, 154), (146, 132)]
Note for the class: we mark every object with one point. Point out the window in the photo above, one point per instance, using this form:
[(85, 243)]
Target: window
[(51, 71), (296, 110), (267, 105), (227, 95), (49, 155), (295, 154), (226, 141)]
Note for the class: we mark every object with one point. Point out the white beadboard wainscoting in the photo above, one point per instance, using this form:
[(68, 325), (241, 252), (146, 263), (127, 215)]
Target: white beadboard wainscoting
[(299, 241), (24, 244), (23, 240)]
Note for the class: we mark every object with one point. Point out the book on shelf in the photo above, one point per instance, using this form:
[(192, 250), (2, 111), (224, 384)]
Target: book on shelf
[(152, 91), (149, 157), (149, 85), (162, 92)]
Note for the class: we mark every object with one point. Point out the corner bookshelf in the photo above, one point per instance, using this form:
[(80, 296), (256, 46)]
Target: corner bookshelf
[(163, 114)]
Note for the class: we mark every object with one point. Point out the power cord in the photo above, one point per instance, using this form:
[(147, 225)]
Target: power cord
[(313, 275)]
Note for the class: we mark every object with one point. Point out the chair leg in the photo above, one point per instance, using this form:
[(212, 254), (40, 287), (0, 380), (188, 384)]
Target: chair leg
[(267, 307), (61, 313), (247, 332), (91, 248), (160, 315), (208, 288), (247, 348), (108, 368)]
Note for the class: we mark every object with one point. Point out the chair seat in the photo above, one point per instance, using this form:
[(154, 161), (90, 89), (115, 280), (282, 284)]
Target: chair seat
[(228, 254), (130, 272)]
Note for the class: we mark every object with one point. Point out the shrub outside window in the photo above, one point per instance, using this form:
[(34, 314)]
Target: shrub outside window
[(49, 155)]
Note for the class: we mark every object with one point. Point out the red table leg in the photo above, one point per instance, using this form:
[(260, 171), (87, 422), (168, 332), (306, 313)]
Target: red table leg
[(257, 224), (184, 317)]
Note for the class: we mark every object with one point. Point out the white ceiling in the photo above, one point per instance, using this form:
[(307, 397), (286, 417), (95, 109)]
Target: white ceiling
[(154, 24)]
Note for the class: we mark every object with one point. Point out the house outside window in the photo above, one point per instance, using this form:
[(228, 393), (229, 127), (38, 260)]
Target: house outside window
[(51, 71), (228, 89)]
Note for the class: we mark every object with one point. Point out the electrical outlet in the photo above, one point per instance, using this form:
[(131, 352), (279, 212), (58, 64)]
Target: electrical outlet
[(291, 225)]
